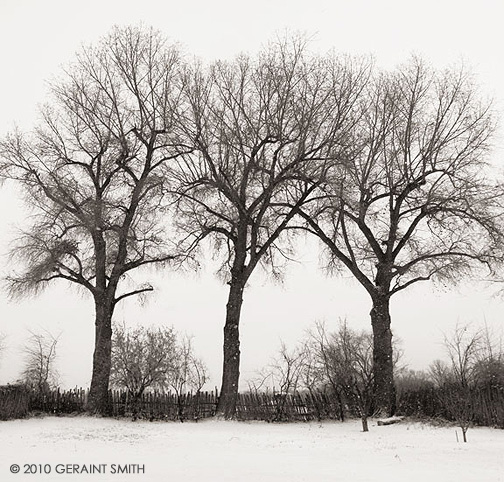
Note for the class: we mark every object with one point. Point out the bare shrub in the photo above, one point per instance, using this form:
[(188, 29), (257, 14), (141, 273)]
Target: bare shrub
[(457, 379), (155, 359), (39, 372)]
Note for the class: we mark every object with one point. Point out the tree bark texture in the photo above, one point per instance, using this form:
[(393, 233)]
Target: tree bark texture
[(226, 407), (98, 400), (383, 364)]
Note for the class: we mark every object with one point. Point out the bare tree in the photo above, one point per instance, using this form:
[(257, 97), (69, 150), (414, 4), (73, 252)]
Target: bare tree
[(39, 372), (414, 200), (457, 380), (141, 358), (313, 374), (92, 172), (489, 368), (290, 371), (187, 373), (440, 372), (464, 348), (347, 357), (286, 369), (155, 358), (263, 130), (284, 374), (320, 348)]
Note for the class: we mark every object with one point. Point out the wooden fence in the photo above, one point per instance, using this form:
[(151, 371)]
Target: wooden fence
[(16, 402), (163, 406), (169, 406), (58, 402), (486, 405), (302, 406)]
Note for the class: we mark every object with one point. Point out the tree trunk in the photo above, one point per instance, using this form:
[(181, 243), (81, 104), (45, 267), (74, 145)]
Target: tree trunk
[(364, 420), (341, 406), (383, 364), (226, 407), (98, 402)]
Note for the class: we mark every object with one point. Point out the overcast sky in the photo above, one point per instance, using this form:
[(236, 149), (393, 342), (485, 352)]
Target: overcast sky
[(37, 38)]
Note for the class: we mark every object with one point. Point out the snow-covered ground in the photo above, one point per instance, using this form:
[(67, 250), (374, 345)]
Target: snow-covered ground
[(242, 452)]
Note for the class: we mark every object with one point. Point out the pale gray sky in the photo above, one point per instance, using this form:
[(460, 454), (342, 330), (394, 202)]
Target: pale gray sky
[(36, 38)]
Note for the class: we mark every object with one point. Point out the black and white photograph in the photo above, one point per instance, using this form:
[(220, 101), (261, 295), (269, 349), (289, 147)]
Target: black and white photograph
[(251, 241)]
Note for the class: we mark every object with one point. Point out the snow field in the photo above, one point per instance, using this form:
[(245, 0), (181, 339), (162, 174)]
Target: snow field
[(221, 451)]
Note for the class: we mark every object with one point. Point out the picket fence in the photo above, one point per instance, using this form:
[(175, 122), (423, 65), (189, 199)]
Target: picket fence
[(169, 406), (17, 402)]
